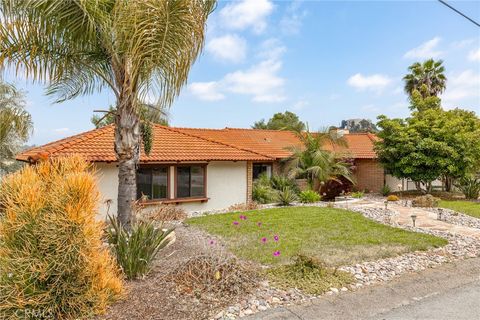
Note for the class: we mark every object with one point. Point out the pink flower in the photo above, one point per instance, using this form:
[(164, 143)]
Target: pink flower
[(276, 253), (243, 217), (259, 224), (235, 223), (212, 242), (276, 238), (264, 240)]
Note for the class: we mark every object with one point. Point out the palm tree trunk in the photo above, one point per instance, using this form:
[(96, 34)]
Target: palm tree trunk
[(127, 148)]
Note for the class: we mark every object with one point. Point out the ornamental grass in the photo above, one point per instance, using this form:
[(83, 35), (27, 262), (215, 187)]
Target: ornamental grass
[(53, 263)]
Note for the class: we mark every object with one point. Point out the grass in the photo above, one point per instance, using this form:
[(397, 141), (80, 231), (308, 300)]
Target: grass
[(334, 236), (467, 207)]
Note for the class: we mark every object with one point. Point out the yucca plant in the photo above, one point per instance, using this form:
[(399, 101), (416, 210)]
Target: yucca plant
[(136, 249), (470, 187), (286, 196), (53, 263)]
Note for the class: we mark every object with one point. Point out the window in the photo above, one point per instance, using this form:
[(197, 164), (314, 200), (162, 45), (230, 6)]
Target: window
[(260, 168), (152, 183), (190, 181)]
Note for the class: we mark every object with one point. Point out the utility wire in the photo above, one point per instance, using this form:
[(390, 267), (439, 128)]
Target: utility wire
[(460, 13)]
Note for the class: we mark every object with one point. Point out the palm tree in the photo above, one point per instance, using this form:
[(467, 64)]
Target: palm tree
[(136, 49), (15, 123), (312, 161), (429, 74)]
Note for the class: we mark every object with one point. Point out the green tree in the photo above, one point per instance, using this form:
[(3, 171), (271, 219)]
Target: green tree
[(311, 161), (15, 125), (281, 121), (430, 74), (133, 48), (147, 113)]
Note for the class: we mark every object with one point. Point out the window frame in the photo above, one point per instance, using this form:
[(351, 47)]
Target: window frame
[(263, 164), (204, 168), (153, 167)]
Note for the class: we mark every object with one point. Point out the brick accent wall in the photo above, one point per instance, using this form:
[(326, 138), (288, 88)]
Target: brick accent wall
[(277, 167), (249, 180), (369, 175)]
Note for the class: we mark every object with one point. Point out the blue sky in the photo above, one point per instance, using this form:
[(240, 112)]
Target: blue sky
[(326, 61)]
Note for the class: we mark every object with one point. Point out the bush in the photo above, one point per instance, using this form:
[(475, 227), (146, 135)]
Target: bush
[(162, 213), (217, 275), (335, 188), (52, 258), (386, 190), (358, 194), (262, 193), (426, 201), (392, 197), (309, 196), (136, 249), (309, 275), (286, 196), (470, 187), (279, 182)]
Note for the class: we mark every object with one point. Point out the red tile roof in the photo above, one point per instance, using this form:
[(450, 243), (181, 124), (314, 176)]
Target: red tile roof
[(190, 144)]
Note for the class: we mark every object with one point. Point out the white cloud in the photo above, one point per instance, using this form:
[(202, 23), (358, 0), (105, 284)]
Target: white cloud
[(292, 20), (426, 50), (462, 43), (208, 91), (300, 104), (375, 82), (462, 89), (228, 48), (240, 15), (474, 55), (261, 81), (61, 130)]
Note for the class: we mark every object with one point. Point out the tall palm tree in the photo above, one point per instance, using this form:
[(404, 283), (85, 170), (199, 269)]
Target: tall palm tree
[(134, 48), (312, 161), (15, 122), (430, 74)]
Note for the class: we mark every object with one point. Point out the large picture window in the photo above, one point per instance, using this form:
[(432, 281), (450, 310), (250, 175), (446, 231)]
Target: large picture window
[(190, 181), (262, 168), (152, 183)]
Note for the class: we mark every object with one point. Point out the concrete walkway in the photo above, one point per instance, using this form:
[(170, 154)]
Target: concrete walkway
[(451, 291), (425, 219)]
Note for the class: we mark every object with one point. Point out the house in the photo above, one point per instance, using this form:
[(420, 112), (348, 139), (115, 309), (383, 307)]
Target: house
[(201, 169)]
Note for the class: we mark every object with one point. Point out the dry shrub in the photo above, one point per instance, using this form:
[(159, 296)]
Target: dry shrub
[(426, 201), (52, 260), (161, 213), (239, 207), (214, 275), (393, 197)]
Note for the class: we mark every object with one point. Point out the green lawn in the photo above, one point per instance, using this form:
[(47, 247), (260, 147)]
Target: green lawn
[(335, 236), (467, 207)]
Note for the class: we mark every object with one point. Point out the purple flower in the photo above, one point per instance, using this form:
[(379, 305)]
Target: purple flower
[(243, 217), (212, 242), (276, 238), (259, 224), (235, 223), (264, 240), (276, 253)]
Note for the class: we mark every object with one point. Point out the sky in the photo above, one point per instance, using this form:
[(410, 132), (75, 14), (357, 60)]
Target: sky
[(324, 60)]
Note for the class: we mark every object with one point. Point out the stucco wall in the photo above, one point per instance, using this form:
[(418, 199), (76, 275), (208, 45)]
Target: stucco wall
[(226, 185), (107, 175), (406, 184)]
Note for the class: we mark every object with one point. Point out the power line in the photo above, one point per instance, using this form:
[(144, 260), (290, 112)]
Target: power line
[(460, 13)]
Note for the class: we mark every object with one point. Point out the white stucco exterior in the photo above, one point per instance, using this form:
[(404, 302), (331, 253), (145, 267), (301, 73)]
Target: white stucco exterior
[(226, 185), (406, 184)]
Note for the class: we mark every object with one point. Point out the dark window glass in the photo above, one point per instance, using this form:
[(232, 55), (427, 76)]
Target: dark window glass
[(152, 182), (261, 168), (190, 181)]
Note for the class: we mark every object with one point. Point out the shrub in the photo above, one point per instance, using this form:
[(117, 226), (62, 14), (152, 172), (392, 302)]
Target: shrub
[(52, 258), (286, 196), (280, 182), (136, 249), (386, 190), (358, 194), (162, 213), (309, 275), (392, 197), (470, 187), (309, 196), (334, 188), (262, 193), (214, 274), (426, 201)]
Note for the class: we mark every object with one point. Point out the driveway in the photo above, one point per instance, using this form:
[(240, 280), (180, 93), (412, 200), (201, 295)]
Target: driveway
[(451, 291)]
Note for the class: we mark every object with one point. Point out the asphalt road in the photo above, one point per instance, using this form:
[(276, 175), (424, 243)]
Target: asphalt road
[(449, 292)]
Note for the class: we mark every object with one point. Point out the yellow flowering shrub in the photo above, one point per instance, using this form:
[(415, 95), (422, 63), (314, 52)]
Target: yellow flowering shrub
[(53, 263)]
